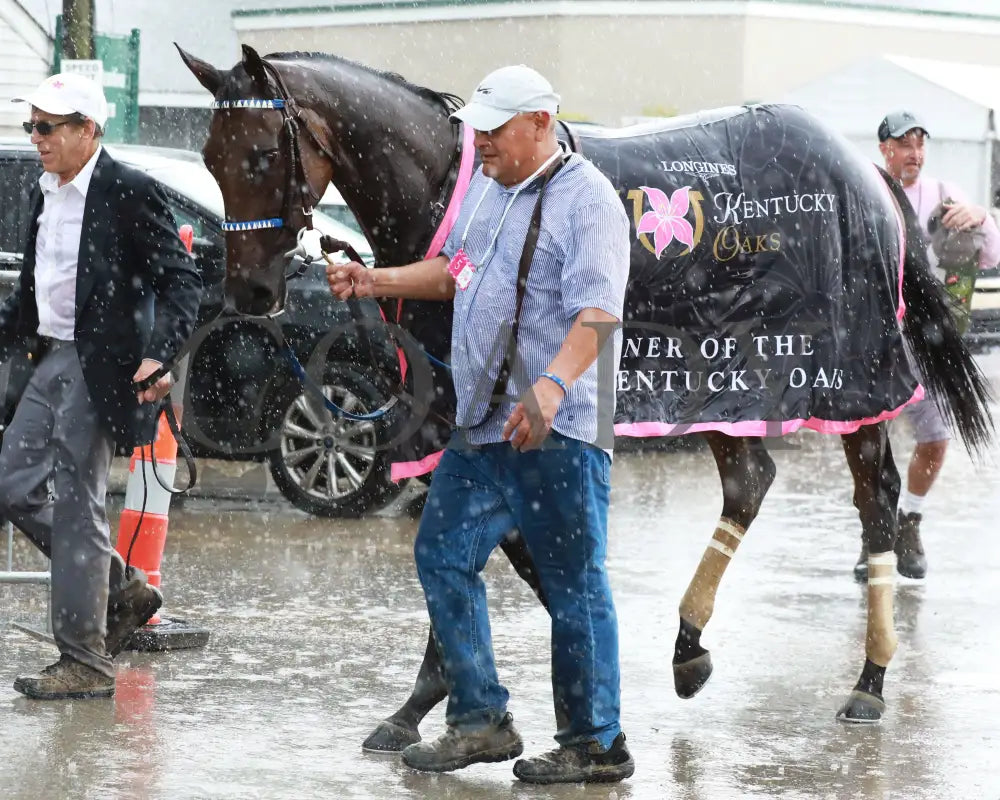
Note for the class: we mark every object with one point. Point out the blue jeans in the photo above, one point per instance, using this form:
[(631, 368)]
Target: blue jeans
[(557, 497)]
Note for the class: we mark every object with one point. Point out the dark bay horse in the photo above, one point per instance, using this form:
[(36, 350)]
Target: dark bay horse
[(288, 124)]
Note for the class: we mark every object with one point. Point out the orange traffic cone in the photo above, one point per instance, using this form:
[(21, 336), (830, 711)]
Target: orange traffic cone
[(142, 527)]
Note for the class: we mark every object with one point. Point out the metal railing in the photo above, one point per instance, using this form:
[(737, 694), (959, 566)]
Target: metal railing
[(10, 575)]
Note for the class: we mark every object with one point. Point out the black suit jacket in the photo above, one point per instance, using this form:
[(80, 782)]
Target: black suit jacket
[(137, 294)]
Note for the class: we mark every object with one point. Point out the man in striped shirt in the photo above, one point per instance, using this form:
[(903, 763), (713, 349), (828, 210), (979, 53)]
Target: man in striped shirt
[(533, 460)]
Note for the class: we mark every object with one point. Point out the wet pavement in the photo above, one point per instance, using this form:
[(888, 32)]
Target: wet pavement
[(318, 627)]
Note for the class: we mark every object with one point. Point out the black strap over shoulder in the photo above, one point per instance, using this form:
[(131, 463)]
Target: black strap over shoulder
[(524, 267)]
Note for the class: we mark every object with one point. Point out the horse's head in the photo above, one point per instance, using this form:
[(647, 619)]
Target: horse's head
[(268, 159)]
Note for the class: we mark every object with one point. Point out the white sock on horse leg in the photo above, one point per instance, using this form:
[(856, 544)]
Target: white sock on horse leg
[(880, 643), (699, 599)]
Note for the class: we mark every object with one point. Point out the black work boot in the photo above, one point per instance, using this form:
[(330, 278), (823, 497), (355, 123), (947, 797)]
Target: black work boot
[(910, 559), (67, 679), (456, 748), (579, 763), (129, 609), (861, 568)]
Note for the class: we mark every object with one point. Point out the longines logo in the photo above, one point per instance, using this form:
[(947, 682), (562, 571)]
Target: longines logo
[(700, 168)]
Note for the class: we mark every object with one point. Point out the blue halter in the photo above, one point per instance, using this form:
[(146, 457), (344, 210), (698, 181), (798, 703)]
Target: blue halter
[(254, 224)]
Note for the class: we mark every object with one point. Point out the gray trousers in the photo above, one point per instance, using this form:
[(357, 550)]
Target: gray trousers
[(55, 439)]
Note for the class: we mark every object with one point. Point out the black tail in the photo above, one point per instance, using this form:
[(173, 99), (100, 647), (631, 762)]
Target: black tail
[(947, 367)]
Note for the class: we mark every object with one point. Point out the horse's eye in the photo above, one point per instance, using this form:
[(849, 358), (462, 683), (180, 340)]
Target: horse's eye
[(259, 161)]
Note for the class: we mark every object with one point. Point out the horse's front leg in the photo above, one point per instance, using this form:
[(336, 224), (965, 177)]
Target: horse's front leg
[(746, 471), (399, 730), (876, 492)]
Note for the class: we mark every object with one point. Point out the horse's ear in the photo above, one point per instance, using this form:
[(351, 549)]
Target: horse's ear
[(207, 75), (254, 65)]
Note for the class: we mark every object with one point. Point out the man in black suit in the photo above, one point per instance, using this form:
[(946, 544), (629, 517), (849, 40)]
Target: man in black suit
[(107, 295)]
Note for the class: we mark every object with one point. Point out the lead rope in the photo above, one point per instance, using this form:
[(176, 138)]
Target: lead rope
[(167, 409)]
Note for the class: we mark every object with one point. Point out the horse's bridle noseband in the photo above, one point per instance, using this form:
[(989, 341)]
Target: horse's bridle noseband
[(290, 124)]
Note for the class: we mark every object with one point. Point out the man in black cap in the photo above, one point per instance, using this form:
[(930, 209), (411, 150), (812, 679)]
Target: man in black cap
[(902, 135)]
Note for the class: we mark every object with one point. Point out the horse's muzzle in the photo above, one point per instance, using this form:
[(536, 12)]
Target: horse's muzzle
[(253, 299)]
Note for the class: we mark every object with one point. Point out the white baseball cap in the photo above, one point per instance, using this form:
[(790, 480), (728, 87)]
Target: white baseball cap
[(504, 93), (69, 93)]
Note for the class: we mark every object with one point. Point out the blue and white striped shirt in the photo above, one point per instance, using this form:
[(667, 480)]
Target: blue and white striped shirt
[(581, 261)]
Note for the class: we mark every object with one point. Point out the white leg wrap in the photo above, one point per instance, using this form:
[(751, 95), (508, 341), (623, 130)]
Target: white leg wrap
[(880, 644), (699, 599), (728, 552)]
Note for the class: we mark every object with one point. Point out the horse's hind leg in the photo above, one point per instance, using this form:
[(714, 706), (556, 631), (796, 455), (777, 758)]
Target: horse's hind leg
[(876, 492), (400, 729), (746, 470)]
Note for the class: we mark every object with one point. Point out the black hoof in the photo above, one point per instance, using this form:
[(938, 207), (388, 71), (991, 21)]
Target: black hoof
[(912, 565), (691, 676), (390, 737), (861, 708)]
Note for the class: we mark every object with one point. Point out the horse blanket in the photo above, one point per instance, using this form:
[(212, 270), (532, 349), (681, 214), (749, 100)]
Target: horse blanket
[(766, 273)]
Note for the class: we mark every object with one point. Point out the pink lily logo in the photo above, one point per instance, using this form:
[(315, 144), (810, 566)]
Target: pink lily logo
[(666, 221), (57, 84)]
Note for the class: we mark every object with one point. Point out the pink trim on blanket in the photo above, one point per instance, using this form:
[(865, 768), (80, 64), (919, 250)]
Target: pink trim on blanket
[(761, 427), (401, 470)]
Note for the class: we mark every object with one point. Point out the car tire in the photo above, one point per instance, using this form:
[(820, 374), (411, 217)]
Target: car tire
[(313, 442)]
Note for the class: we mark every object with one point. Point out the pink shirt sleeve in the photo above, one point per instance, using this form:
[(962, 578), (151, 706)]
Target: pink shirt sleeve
[(990, 255)]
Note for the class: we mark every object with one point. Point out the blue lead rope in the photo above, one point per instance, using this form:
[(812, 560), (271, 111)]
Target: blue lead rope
[(332, 407), (437, 361), (330, 245)]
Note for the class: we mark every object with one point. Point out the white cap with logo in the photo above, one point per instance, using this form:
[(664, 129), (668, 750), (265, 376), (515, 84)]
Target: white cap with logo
[(504, 93), (68, 93)]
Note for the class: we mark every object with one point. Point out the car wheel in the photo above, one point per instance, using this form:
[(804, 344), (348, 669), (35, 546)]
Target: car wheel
[(326, 465)]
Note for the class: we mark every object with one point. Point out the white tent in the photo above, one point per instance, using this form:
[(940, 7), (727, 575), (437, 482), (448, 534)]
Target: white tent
[(956, 101)]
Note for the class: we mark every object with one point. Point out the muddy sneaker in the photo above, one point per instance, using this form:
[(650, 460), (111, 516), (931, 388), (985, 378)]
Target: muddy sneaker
[(455, 749), (910, 559), (581, 763), (67, 679), (128, 610), (861, 568)]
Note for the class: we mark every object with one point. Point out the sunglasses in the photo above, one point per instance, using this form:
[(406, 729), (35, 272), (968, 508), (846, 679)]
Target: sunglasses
[(44, 128)]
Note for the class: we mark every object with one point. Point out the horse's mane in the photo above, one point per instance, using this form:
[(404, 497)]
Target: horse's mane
[(448, 101)]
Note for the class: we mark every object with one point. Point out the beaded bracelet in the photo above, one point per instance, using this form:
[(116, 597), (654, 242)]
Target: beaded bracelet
[(557, 380)]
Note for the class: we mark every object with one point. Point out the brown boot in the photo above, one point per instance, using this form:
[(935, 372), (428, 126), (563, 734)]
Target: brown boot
[(67, 679), (582, 763), (910, 559), (128, 610), (456, 748)]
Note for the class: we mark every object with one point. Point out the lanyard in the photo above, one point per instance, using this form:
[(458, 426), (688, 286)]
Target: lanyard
[(483, 259)]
